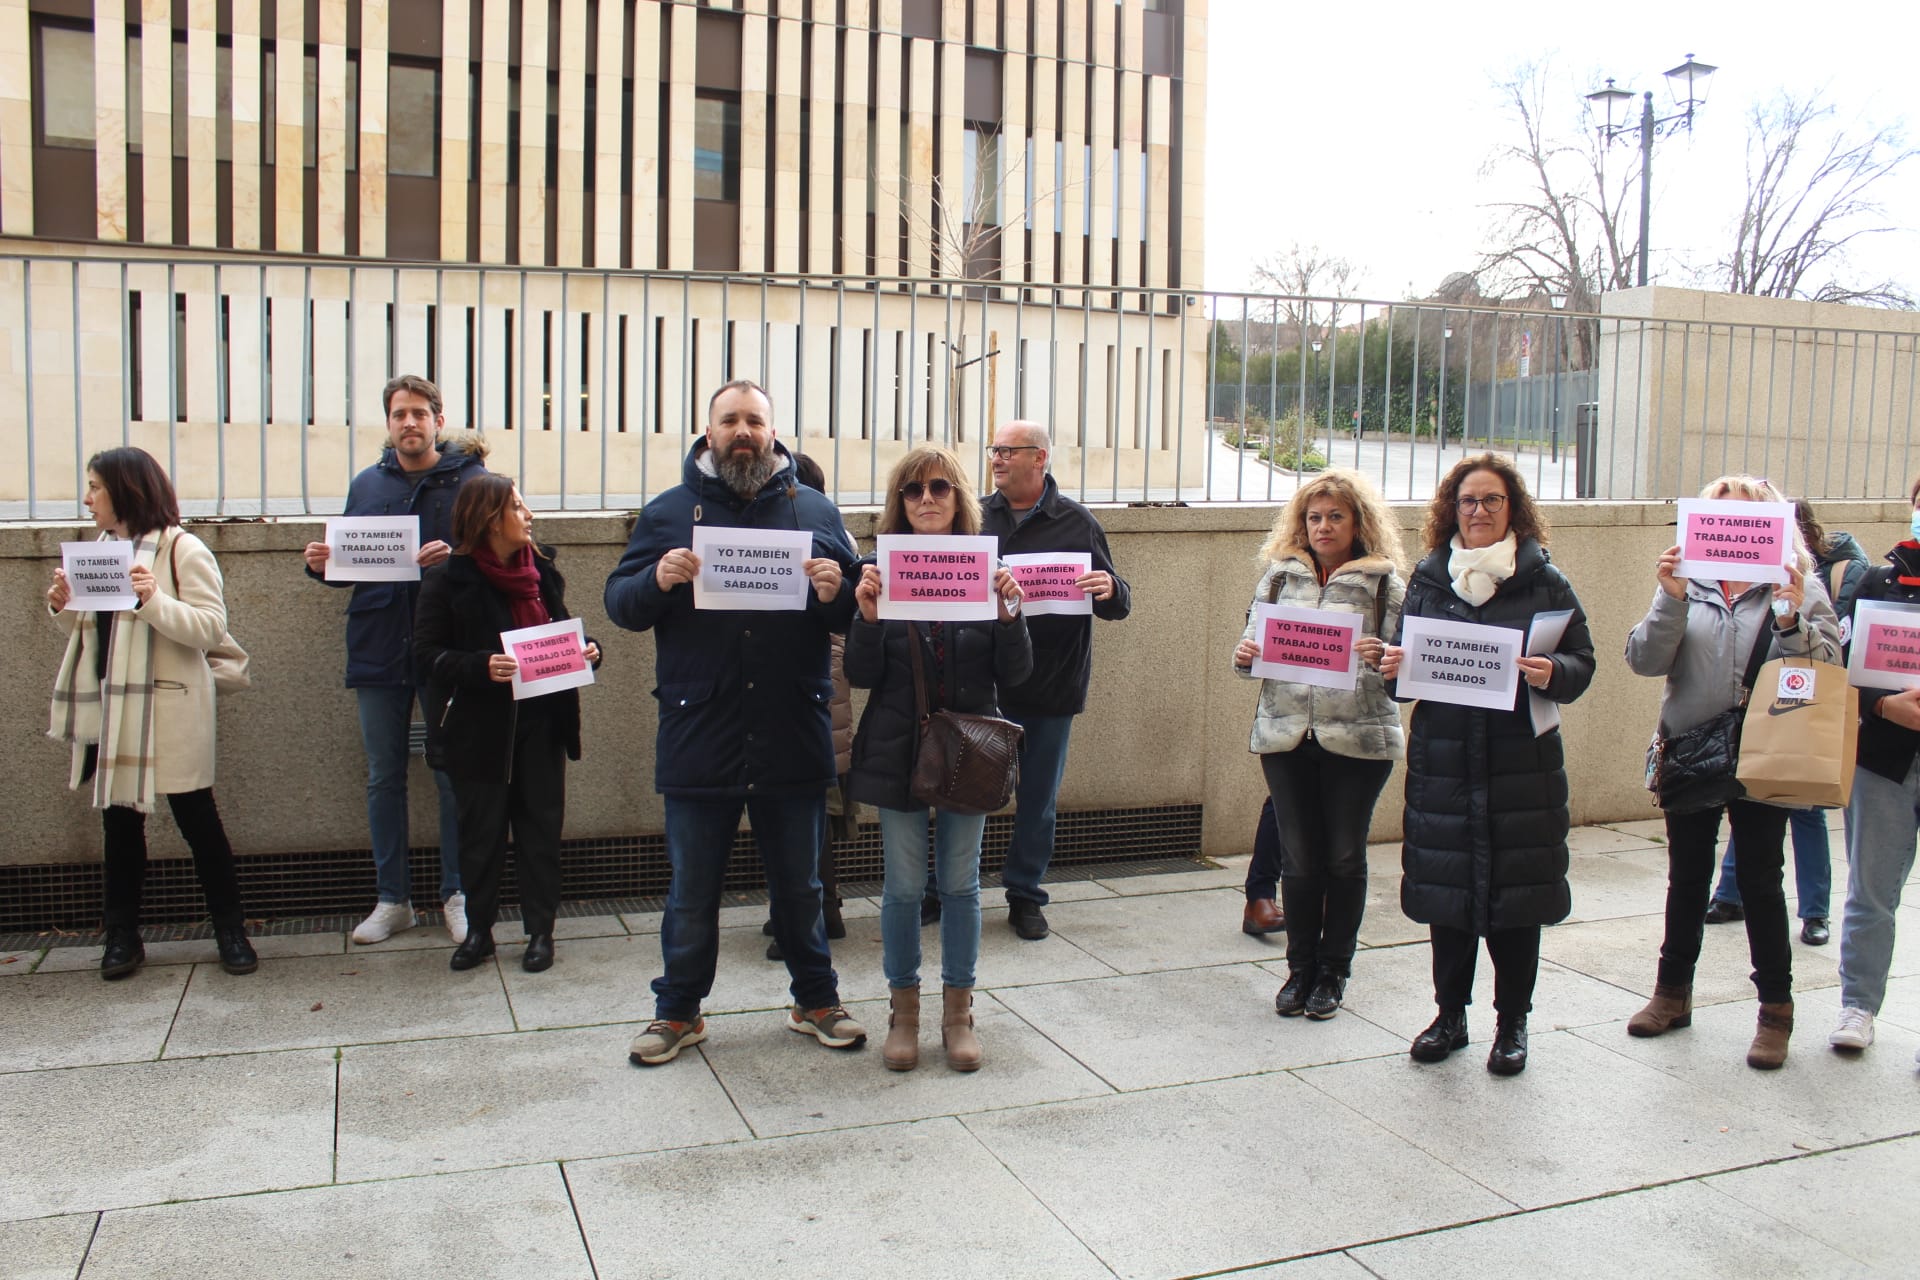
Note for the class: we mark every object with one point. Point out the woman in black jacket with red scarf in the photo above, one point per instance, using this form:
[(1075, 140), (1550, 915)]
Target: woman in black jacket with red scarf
[(507, 758)]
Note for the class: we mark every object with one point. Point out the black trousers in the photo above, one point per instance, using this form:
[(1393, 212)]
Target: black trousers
[(1516, 964), (534, 804), (126, 858), (1759, 832), (1322, 808)]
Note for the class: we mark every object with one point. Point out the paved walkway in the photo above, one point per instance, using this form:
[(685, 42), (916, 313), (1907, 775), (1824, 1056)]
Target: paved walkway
[(363, 1112)]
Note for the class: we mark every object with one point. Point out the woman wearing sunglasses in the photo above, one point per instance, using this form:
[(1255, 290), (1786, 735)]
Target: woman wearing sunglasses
[(1484, 853), (965, 663)]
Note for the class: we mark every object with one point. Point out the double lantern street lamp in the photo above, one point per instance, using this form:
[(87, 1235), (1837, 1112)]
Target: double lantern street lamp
[(1684, 80)]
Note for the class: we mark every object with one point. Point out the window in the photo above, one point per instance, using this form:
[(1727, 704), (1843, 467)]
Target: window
[(413, 119), (64, 64), (982, 177), (716, 147)]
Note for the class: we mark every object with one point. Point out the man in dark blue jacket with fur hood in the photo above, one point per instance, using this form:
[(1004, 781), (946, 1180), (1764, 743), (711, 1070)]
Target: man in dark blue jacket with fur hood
[(745, 719)]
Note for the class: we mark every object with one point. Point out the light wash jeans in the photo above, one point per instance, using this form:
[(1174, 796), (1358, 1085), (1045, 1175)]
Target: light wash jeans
[(956, 849), (1882, 823), (386, 719)]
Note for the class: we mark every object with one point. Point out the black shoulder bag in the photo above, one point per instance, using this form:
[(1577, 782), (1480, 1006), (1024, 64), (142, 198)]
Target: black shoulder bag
[(965, 763), (1695, 770)]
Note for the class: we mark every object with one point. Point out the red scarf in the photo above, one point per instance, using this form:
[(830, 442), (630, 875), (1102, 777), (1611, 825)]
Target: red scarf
[(519, 582)]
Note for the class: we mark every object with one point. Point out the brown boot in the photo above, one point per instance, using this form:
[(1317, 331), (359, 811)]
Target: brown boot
[(1670, 1007), (902, 1049), (1769, 1049), (1262, 915), (956, 1029)]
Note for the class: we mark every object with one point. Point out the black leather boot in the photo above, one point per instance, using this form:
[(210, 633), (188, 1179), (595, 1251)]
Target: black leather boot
[(123, 954), (477, 947), (1509, 1054), (1448, 1032), (236, 953), (1292, 1000), (538, 957)]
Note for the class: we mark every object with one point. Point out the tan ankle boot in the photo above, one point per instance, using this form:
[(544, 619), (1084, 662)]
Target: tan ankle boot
[(1769, 1050), (902, 1049), (1670, 1007), (956, 1029)]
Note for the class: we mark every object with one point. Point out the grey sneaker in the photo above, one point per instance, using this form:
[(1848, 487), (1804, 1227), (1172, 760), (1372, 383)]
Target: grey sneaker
[(662, 1041), (831, 1027), (1854, 1031)]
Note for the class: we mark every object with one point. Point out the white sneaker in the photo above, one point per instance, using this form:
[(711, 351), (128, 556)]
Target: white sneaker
[(1855, 1030), (385, 920), (455, 913)]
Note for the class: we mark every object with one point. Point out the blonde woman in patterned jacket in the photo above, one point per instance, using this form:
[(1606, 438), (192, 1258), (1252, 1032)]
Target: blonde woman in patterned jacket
[(1327, 752)]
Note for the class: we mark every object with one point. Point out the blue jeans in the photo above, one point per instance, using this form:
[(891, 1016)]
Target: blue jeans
[(386, 719), (699, 838), (1881, 824), (1043, 760), (1812, 865), (956, 851)]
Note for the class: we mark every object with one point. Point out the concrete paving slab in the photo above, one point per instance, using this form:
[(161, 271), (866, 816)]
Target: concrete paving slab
[(1609, 886), (1839, 1097), (1325, 1266), (1902, 1006), (1581, 1121), (200, 951), (823, 1205), (15, 963), (1688, 1230), (1065, 891), (1227, 1026), (1590, 840), (740, 917), (1858, 1202), (425, 936), (502, 1224), (787, 1083), (1384, 924), (436, 1106), (335, 1000), (144, 1133), (1123, 1174), (46, 1248), (1006, 959), (76, 1020), (1166, 931), (1626, 951), (1231, 873), (1651, 830)]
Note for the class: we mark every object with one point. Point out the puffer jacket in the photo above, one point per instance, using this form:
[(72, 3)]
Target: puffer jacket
[(1361, 723), (1886, 748), (1485, 843)]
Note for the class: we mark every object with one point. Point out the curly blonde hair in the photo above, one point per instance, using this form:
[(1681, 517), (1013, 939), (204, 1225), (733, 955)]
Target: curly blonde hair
[(927, 462), (1743, 488), (1375, 531)]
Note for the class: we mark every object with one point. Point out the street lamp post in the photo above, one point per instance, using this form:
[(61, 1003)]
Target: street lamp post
[(1684, 78)]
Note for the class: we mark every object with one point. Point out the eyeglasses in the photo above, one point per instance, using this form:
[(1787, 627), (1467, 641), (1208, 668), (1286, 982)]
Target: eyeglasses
[(1005, 451), (936, 489), (1492, 504)]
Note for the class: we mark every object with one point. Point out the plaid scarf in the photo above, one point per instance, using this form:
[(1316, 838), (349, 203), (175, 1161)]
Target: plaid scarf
[(114, 713)]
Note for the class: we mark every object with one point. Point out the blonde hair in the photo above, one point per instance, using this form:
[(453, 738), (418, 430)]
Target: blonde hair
[(1758, 489), (926, 462), (1375, 532)]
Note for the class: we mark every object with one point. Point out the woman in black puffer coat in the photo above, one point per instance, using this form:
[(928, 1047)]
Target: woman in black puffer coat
[(1485, 843)]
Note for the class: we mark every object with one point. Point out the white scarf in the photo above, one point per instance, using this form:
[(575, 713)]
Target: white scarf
[(1478, 572), (118, 718)]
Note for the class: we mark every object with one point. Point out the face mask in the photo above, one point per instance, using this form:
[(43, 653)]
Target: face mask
[(1915, 526)]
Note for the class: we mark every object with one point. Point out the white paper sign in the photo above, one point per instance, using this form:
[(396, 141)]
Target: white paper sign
[(934, 578), (1543, 637), (1735, 541), (99, 574), (1886, 646), (1307, 646), (1459, 662), (751, 569), (373, 549), (1046, 582), (552, 657)]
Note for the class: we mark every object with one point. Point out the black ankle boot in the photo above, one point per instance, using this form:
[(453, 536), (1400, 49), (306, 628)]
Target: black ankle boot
[(1448, 1032), (538, 957), (1509, 1054), (477, 947), (1329, 989), (236, 953), (1292, 1000), (123, 954)]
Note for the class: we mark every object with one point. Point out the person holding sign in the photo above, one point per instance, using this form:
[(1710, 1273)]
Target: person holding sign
[(965, 664), (745, 718), (1706, 637), (1883, 818), (134, 699), (1485, 849), (1326, 749), (419, 473), (507, 757)]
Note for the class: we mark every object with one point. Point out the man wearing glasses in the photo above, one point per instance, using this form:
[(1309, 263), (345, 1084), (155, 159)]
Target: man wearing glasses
[(1029, 514)]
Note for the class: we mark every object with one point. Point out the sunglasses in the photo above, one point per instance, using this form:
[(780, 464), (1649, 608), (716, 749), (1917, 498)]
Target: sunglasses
[(913, 490)]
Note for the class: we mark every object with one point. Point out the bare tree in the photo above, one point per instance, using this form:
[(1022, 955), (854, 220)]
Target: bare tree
[(1310, 282), (1812, 190)]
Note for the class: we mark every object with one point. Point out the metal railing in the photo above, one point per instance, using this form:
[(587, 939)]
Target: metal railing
[(257, 380)]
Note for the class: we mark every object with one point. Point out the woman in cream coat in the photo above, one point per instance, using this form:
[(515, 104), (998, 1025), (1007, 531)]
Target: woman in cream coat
[(1327, 752), (135, 700)]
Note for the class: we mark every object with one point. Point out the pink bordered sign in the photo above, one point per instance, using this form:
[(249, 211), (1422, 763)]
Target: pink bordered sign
[(1735, 541), (937, 578), (552, 657), (1886, 646), (1047, 582), (1307, 646)]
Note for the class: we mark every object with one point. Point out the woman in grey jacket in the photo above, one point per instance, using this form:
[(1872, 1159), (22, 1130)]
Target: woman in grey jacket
[(1699, 635), (1327, 753)]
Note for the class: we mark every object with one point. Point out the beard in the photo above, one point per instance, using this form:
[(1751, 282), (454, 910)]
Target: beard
[(746, 471)]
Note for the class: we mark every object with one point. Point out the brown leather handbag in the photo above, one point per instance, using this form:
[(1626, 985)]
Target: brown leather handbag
[(964, 763)]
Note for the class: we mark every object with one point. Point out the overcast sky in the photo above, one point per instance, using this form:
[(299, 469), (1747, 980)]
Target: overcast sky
[(1365, 128)]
